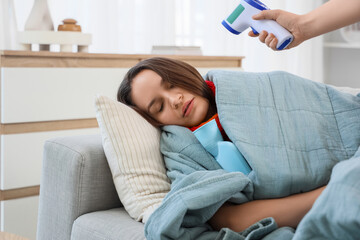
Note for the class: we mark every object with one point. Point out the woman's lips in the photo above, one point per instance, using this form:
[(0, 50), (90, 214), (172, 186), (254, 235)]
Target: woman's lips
[(188, 107)]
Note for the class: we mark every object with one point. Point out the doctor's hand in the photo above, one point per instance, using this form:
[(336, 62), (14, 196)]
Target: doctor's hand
[(289, 21)]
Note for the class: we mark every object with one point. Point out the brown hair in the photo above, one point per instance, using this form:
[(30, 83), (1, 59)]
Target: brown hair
[(175, 72)]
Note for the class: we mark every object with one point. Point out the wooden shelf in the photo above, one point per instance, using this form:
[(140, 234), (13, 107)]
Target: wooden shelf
[(100, 60)]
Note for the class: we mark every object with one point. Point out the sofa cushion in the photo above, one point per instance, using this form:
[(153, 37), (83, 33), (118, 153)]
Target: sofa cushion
[(111, 224), (132, 148)]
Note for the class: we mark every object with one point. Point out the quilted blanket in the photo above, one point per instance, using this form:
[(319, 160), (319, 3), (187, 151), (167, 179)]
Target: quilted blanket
[(292, 132)]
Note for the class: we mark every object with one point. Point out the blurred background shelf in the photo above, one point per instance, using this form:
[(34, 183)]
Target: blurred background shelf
[(341, 60), (342, 45)]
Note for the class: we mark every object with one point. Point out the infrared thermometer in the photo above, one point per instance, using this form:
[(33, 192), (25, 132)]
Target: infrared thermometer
[(241, 18)]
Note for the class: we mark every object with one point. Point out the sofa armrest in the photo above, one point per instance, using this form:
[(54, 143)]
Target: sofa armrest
[(76, 179)]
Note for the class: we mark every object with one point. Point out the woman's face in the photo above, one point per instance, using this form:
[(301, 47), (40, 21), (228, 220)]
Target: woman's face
[(167, 104)]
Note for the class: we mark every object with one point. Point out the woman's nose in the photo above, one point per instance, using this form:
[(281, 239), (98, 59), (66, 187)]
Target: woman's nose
[(176, 100)]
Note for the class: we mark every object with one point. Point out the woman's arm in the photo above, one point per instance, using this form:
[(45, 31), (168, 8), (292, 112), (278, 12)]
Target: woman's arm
[(330, 16), (287, 211)]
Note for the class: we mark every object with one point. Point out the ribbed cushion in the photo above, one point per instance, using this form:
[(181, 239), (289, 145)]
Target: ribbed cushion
[(132, 148)]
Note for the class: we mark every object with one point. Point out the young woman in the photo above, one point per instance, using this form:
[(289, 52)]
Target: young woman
[(171, 92)]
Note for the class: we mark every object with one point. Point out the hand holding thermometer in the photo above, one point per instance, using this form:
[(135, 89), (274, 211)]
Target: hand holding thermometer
[(241, 18)]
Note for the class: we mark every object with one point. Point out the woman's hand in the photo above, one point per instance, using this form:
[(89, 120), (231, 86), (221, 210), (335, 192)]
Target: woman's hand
[(288, 20), (287, 211)]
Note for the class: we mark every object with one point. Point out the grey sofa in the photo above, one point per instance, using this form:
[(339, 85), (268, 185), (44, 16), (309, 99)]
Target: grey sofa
[(78, 199)]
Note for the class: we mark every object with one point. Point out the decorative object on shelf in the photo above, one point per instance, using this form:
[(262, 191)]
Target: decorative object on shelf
[(65, 39), (177, 50), (36, 32), (8, 25), (69, 25), (40, 20), (351, 33)]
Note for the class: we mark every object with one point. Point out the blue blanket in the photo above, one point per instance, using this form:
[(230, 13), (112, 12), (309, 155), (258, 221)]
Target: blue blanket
[(292, 132)]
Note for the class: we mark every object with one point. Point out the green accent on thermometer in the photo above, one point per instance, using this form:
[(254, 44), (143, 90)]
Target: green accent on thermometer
[(235, 14)]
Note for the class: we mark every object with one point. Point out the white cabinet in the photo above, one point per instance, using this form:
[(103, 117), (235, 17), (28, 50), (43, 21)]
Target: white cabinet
[(46, 95), (21, 156)]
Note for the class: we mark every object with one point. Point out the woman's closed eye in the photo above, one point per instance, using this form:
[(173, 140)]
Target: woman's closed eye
[(156, 106), (161, 107)]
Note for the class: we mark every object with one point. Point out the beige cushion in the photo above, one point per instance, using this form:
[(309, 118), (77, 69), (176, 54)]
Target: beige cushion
[(132, 148)]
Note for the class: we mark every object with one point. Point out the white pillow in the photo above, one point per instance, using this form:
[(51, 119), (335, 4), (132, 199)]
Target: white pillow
[(132, 148)]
